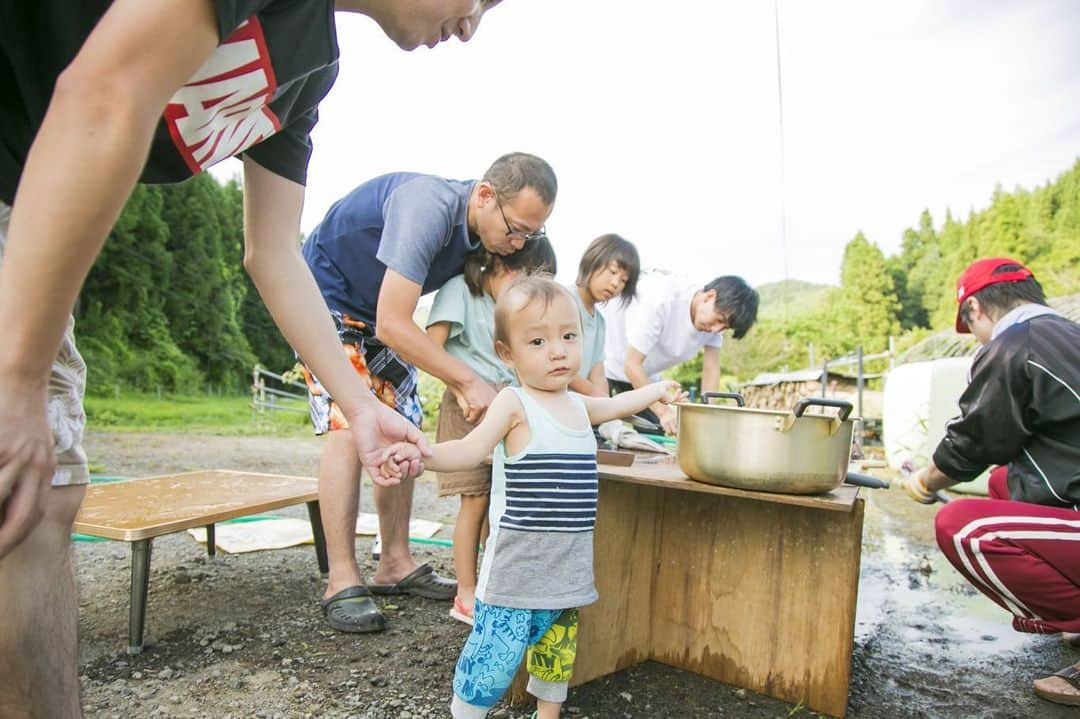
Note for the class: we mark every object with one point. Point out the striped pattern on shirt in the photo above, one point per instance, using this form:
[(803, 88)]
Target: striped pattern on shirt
[(551, 492)]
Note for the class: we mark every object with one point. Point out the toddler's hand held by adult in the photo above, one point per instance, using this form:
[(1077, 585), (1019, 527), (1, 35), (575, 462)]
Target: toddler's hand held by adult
[(375, 429)]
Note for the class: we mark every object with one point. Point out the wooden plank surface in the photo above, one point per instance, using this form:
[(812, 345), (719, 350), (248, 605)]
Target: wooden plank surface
[(617, 630), (143, 508), (759, 595), (614, 456), (667, 475)]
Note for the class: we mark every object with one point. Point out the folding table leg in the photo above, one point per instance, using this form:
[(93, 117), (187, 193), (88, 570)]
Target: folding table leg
[(320, 538), (211, 541), (140, 581)]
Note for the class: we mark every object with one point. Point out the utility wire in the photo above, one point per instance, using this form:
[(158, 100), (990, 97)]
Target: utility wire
[(783, 189)]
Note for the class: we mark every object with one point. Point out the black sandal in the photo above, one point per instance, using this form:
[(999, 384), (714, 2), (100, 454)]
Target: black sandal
[(353, 610), (421, 582)]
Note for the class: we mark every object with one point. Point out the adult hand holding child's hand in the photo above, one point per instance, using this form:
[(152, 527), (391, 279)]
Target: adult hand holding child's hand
[(376, 428), (400, 454)]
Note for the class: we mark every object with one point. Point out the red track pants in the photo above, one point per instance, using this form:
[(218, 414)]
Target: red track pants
[(1026, 557)]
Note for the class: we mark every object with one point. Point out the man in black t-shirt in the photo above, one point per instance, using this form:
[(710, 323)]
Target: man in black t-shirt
[(96, 96)]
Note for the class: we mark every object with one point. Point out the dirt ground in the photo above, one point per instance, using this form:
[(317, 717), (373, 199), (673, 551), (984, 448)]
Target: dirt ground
[(242, 636)]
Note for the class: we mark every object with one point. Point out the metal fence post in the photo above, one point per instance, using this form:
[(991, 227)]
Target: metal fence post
[(859, 380), (255, 389)]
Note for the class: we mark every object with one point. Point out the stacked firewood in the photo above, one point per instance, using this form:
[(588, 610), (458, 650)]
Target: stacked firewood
[(783, 395)]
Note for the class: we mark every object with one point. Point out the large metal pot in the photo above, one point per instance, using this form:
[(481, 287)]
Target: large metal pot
[(766, 450)]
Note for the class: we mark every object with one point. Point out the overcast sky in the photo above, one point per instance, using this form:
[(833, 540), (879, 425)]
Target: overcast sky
[(662, 119)]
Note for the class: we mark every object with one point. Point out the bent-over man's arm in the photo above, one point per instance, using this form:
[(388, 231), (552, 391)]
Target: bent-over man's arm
[(81, 168), (272, 206)]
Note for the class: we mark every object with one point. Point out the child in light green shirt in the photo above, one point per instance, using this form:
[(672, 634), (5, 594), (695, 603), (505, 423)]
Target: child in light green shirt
[(461, 320)]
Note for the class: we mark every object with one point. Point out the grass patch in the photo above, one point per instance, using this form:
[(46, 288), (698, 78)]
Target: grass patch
[(193, 414)]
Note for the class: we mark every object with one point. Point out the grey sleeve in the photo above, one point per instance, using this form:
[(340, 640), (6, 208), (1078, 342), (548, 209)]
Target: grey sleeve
[(417, 221)]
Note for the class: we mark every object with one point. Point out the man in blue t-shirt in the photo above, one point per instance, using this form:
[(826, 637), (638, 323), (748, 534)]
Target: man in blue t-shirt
[(379, 248)]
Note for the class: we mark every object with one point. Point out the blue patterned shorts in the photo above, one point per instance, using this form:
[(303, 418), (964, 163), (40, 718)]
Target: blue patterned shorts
[(500, 637)]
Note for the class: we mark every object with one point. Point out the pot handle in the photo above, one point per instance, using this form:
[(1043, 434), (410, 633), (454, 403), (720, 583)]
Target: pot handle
[(706, 396), (802, 404), (783, 424)]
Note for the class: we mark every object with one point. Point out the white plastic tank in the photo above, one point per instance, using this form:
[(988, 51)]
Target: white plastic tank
[(919, 399)]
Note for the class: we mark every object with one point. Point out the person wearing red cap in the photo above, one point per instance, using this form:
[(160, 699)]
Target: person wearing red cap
[(1020, 412)]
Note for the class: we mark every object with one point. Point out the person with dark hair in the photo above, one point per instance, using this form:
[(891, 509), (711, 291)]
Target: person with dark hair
[(97, 96), (609, 268), (669, 323), (379, 248), (461, 321), (1021, 414)]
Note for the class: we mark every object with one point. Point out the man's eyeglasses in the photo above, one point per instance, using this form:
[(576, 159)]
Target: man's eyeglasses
[(540, 234)]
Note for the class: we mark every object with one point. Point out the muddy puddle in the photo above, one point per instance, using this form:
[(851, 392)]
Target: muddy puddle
[(927, 643), (905, 578)]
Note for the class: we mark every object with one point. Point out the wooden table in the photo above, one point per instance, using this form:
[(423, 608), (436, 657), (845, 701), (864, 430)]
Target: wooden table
[(757, 590), (139, 510)]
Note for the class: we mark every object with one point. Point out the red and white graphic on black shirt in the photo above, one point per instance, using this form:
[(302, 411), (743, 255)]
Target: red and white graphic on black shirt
[(222, 110)]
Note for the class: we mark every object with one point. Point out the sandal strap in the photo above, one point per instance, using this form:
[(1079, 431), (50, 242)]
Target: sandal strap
[(1071, 674), (348, 593)]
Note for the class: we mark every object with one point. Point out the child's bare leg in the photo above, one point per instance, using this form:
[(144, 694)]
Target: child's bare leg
[(547, 710), (550, 663), (467, 533), (485, 531)]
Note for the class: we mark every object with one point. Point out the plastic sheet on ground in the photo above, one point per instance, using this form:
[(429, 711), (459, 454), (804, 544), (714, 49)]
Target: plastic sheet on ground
[(282, 532)]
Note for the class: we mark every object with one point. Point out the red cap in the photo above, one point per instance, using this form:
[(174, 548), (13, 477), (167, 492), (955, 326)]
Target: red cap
[(980, 274)]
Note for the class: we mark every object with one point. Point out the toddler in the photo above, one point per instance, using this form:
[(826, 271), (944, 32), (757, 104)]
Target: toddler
[(537, 567)]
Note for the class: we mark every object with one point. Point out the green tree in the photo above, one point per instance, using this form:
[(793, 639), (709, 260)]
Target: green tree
[(202, 300), (122, 326), (868, 307)]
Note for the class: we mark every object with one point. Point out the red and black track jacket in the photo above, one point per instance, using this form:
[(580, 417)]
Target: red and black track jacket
[(1022, 409)]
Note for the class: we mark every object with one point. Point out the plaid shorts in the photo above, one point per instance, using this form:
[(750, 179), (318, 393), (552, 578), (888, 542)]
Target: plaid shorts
[(393, 380)]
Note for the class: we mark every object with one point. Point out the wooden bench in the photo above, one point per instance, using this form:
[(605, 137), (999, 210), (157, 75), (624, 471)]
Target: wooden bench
[(139, 510)]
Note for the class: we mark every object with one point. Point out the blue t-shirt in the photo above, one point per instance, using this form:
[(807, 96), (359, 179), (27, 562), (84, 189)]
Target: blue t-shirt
[(413, 224)]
